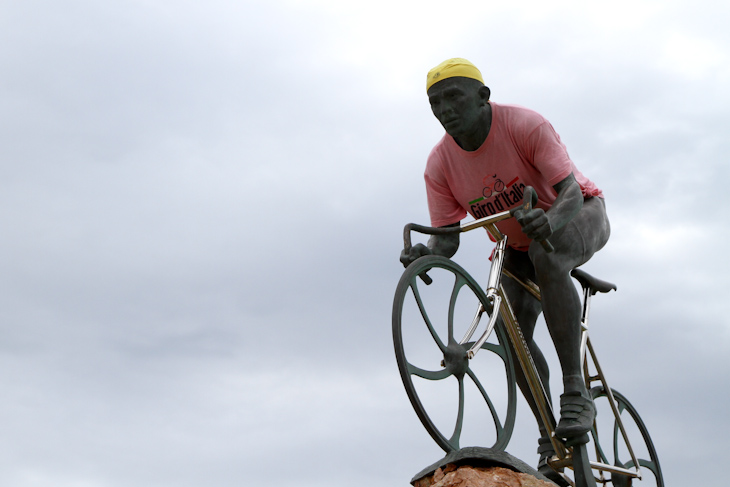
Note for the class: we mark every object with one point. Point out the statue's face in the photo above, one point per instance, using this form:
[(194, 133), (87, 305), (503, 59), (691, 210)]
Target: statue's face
[(457, 104)]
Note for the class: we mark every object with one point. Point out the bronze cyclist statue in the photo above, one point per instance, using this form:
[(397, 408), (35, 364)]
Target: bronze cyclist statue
[(486, 143)]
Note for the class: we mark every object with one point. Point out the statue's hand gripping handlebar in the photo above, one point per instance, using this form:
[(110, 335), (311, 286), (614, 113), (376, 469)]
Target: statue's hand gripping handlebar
[(428, 231), (529, 202)]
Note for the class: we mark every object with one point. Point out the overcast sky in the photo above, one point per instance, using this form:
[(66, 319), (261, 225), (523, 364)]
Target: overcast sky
[(201, 207)]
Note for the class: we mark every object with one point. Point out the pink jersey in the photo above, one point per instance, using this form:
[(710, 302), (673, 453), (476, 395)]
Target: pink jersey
[(522, 149)]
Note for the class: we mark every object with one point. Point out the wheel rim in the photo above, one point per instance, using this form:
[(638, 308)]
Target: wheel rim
[(477, 397), (610, 446)]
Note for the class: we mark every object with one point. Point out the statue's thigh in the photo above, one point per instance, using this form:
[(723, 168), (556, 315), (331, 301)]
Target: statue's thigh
[(577, 241), (526, 308)]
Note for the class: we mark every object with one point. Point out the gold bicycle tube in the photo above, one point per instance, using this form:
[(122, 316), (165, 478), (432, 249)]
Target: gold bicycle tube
[(519, 344)]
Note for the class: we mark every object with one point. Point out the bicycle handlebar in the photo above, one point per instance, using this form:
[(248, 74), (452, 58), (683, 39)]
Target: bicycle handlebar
[(464, 227)]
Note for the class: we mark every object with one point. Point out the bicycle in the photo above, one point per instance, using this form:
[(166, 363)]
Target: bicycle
[(628, 459)]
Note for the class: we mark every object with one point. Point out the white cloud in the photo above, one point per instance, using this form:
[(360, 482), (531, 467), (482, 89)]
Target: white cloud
[(692, 57)]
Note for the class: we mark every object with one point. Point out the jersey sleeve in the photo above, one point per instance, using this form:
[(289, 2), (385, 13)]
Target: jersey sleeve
[(551, 158), (548, 154)]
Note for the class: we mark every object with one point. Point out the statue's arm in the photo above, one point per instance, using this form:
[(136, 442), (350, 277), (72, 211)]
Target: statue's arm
[(445, 245), (567, 204), (539, 224)]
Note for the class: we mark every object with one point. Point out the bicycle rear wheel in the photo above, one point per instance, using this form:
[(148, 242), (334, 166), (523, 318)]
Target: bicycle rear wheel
[(467, 400), (611, 448)]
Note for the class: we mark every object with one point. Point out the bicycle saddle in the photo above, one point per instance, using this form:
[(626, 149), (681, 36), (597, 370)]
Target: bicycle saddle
[(593, 283)]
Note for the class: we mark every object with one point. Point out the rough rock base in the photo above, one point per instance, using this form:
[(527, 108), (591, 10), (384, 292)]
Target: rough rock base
[(468, 476)]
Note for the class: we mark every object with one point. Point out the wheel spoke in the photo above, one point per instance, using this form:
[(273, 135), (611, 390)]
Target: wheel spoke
[(599, 449), (454, 440), (428, 374), (492, 409), (498, 349), (616, 434), (650, 465), (458, 283), (424, 314), (617, 430)]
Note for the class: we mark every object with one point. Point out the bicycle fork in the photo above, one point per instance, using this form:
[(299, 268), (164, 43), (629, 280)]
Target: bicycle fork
[(495, 301)]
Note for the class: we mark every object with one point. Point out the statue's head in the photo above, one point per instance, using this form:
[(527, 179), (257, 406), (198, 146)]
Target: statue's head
[(457, 96)]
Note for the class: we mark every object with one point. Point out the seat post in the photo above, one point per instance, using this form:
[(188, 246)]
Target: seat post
[(584, 322)]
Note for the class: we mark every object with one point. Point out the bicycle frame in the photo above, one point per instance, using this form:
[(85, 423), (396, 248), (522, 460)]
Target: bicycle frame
[(498, 300), (496, 294)]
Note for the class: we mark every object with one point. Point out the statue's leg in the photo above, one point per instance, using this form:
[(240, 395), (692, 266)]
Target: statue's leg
[(527, 309), (574, 244)]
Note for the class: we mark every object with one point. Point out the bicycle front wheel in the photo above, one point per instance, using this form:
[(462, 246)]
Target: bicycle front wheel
[(470, 401), (612, 448)]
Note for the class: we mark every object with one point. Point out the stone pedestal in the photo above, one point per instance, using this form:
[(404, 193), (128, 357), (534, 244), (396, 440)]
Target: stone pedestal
[(467, 476), (480, 467)]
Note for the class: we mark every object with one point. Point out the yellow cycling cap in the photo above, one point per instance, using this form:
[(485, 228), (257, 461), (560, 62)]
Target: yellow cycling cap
[(451, 68)]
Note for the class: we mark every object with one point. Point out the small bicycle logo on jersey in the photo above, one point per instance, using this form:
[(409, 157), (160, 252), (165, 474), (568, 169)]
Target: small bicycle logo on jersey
[(492, 187)]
